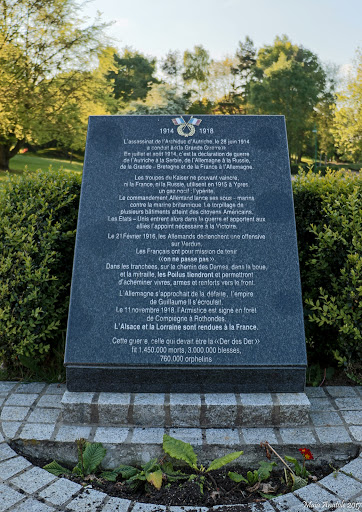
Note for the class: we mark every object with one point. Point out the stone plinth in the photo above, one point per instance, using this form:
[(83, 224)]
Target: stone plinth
[(207, 410)]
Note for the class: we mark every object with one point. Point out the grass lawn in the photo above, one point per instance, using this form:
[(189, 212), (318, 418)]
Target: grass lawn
[(34, 162)]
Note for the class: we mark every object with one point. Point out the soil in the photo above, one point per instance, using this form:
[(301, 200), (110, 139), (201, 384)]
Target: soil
[(219, 489)]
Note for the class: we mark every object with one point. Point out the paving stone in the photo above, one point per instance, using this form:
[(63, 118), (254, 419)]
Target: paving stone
[(149, 409), (2, 439), (33, 479), (10, 428), (42, 415), (325, 418), (53, 401), (70, 433), (316, 497), (6, 386), (2, 399), (56, 389), (354, 467), (185, 409), (257, 435), (13, 466), (315, 392), (116, 505), (299, 436), (32, 505), (12, 413), (224, 436), (352, 417), (8, 497), (113, 408), (342, 391), (184, 509), (188, 435), (220, 409), (60, 491), (333, 435), (88, 501), (343, 486), (350, 404), (21, 399), (31, 387), (256, 409), (321, 404), (111, 435), (289, 503), (148, 507), (6, 452), (148, 435), (37, 431), (356, 433)]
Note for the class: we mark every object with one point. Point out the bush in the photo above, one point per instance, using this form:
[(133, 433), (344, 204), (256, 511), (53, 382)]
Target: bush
[(37, 233), (329, 226)]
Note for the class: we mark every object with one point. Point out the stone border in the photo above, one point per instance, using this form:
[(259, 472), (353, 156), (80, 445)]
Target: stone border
[(30, 411)]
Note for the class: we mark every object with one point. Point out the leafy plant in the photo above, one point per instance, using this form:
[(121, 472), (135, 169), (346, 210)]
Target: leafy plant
[(180, 450), (38, 214), (153, 472), (295, 479), (252, 477), (316, 375), (90, 455)]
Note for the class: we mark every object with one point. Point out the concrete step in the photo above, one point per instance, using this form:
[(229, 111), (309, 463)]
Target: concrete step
[(222, 410)]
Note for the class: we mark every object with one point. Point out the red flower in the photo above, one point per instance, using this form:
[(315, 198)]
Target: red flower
[(307, 454)]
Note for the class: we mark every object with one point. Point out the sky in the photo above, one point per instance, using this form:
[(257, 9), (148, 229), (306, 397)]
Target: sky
[(330, 28)]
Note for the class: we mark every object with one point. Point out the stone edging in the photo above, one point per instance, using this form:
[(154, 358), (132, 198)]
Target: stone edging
[(26, 488)]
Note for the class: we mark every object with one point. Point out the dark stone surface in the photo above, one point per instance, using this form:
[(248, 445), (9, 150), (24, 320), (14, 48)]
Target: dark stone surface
[(138, 320)]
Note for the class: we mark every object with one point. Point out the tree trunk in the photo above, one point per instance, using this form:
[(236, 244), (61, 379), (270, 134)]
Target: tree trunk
[(4, 157), (6, 152)]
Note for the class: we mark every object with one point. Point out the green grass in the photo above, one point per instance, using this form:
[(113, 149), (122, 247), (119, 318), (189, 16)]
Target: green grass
[(34, 162)]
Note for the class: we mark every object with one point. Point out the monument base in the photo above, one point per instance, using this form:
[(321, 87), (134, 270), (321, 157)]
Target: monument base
[(186, 380), (186, 410)]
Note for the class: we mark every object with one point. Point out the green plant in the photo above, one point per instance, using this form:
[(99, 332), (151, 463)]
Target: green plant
[(180, 450), (329, 222), (38, 214), (294, 479), (153, 472), (252, 477), (317, 375), (90, 455)]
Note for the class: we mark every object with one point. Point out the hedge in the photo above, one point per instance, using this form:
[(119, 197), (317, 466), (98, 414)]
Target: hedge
[(38, 214), (37, 234)]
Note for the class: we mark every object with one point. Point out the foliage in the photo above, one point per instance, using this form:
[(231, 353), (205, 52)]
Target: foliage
[(90, 456), (153, 472), (348, 117), (328, 217), (161, 99), (180, 450), (316, 375), (37, 233), (196, 69), (131, 75), (252, 477), (44, 70), (288, 80)]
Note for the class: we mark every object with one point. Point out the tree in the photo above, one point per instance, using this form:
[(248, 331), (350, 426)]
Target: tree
[(45, 56), (161, 99), (288, 80), (243, 70), (347, 128), (172, 67), (131, 76), (197, 69)]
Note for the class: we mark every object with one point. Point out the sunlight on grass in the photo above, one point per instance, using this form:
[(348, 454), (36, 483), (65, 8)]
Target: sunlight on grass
[(34, 162)]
